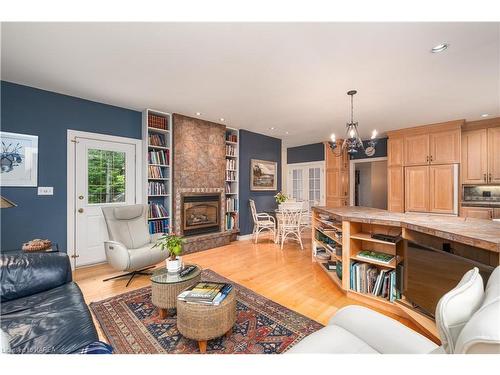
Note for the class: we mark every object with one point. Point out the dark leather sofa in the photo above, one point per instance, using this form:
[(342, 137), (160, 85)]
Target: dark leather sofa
[(42, 309)]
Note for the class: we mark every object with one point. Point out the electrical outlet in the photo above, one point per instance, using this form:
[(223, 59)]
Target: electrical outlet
[(45, 190)]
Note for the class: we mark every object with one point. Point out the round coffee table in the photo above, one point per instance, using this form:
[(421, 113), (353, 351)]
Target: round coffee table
[(205, 322), (165, 287)]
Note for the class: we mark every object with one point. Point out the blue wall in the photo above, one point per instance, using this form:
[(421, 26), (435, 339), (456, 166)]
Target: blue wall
[(48, 115), (380, 150), (256, 146), (305, 153)]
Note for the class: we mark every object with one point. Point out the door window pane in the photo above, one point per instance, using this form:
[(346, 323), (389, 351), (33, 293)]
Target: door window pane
[(314, 185), (297, 184), (106, 176)]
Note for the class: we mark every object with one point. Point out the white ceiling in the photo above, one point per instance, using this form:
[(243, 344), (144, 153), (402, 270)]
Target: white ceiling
[(290, 76)]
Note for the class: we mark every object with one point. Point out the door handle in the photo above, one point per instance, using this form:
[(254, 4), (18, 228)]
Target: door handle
[(80, 210), (485, 178), (431, 157), (489, 175), (427, 159), (80, 197)]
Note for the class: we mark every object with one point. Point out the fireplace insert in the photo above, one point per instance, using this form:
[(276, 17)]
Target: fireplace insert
[(200, 214)]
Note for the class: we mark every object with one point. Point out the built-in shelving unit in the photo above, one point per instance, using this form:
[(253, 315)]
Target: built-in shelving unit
[(231, 220), (157, 143), (343, 241)]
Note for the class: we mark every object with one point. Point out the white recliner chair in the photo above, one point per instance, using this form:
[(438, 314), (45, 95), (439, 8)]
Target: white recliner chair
[(467, 317), (130, 246)]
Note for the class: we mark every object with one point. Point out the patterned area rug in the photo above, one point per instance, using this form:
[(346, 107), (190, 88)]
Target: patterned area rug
[(132, 325)]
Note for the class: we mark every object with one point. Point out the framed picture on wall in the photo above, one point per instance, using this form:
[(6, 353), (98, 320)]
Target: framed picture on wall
[(263, 175), (19, 160)]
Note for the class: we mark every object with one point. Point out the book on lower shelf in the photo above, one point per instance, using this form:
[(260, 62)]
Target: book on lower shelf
[(231, 220), (375, 256), (368, 279), (330, 266), (159, 226), (206, 293), (155, 171), (231, 204), (159, 157), (157, 210)]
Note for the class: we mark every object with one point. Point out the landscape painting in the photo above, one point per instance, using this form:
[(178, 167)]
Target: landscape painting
[(19, 159), (263, 175)]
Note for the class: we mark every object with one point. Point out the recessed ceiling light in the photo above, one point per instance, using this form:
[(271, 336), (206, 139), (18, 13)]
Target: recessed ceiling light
[(485, 115), (222, 119), (440, 47), (198, 113), (286, 132), (271, 128)]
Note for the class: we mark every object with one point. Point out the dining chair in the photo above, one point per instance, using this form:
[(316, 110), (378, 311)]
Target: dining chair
[(290, 217), (262, 221)]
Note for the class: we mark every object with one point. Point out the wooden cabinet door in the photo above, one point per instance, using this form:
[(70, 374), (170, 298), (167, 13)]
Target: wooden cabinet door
[(395, 156), (496, 213), (416, 149), (336, 202), (474, 157), (443, 195), (333, 183), (445, 147), (477, 212), (417, 188), (494, 155), (334, 159), (395, 189)]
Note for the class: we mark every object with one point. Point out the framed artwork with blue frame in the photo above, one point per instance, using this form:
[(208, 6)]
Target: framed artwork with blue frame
[(19, 160)]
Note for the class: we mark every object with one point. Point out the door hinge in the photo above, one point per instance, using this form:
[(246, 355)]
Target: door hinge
[(74, 256), (74, 141)]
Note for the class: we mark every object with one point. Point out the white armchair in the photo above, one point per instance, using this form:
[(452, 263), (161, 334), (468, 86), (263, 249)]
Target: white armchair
[(468, 321), (261, 222), (130, 248)]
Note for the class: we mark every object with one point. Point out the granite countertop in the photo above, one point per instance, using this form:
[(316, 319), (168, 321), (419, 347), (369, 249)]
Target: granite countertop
[(484, 234)]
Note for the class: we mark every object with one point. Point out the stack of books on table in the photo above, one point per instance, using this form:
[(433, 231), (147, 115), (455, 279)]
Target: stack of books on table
[(206, 293)]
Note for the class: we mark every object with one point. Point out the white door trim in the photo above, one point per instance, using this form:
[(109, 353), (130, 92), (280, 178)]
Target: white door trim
[(352, 167), (71, 176)]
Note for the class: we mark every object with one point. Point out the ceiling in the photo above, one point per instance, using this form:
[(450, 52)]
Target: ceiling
[(292, 77)]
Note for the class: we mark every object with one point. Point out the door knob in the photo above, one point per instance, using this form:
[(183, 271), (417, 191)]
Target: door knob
[(80, 197), (80, 210)]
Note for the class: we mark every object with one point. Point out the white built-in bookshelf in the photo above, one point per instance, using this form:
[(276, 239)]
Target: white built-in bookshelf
[(157, 143), (232, 179)]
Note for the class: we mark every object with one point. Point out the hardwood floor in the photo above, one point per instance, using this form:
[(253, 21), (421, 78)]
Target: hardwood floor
[(288, 277)]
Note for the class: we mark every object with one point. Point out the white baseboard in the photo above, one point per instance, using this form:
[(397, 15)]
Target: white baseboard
[(245, 237)]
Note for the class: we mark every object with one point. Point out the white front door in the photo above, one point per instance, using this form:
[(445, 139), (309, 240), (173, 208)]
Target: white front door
[(105, 175), (306, 182)]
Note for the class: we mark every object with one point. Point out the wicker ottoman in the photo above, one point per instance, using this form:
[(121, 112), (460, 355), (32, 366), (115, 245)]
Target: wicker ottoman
[(203, 322), (165, 288)]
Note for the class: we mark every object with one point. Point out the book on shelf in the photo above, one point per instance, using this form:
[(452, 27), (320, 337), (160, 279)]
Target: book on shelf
[(231, 137), (159, 157), (230, 188), (206, 293), (157, 188), (375, 256), (231, 164), (230, 150), (159, 226), (157, 210), (369, 279), (157, 140), (231, 204), (155, 171), (231, 175), (231, 220), (157, 122)]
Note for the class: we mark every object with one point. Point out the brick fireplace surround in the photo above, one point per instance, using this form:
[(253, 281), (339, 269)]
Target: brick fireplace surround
[(199, 167)]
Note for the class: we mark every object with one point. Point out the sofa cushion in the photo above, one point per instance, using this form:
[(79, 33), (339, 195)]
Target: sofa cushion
[(457, 306), (333, 340), (54, 321)]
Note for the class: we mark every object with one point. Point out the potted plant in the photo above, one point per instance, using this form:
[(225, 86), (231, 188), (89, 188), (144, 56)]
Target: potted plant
[(280, 198), (173, 244)]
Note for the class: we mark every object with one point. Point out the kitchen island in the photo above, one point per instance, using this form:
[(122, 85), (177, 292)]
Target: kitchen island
[(345, 233)]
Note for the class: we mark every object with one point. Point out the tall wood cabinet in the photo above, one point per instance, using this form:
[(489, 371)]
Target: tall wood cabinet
[(423, 168), (481, 156), (395, 175), (337, 176)]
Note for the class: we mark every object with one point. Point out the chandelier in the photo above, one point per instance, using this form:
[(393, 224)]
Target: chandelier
[(352, 141)]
